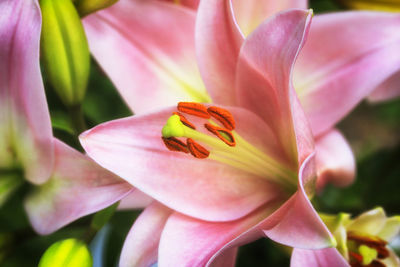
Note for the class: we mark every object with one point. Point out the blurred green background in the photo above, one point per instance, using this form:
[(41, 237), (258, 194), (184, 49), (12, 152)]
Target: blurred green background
[(373, 131)]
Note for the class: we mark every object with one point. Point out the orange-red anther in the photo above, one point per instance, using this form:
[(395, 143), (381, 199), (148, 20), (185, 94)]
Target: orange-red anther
[(366, 240), (193, 108), (371, 241), (174, 144), (185, 121), (223, 116), (376, 263), (222, 134), (196, 149), (383, 252), (357, 257)]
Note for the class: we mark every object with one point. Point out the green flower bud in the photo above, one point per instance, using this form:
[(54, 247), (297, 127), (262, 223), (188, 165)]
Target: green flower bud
[(67, 253), (85, 7), (379, 5), (65, 50)]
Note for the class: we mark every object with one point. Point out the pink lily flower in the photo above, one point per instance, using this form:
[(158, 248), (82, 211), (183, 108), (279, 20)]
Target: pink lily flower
[(253, 179), (249, 14), (362, 241), (25, 128), (69, 185), (149, 43)]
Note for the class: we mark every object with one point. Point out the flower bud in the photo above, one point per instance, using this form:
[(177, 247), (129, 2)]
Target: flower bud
[(65, 50), (67, 253), (379, 5), (85, 7)]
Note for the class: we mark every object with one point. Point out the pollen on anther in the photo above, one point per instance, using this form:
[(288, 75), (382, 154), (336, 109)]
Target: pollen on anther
[(225, 135), (223, 116), (196, 149), (174, 144), (185, 121), (193, 108)]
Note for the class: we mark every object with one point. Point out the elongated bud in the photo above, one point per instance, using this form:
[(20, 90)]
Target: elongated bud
[(85, 7), (65, 50), (379, 5), (67, 253)]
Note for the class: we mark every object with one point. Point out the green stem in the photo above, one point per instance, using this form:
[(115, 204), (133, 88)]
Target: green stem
[(98, 221), (77, 118)]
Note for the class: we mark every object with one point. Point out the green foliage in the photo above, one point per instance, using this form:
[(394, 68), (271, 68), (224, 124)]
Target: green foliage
[(103, 216), (377, 184)]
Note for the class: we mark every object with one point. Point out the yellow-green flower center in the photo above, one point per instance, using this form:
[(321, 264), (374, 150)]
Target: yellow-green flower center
[(224, 145)]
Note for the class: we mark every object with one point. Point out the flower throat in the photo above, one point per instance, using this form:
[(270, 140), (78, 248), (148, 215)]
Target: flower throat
[(222, 144)]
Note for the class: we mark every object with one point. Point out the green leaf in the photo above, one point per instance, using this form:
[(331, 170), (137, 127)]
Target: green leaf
[(103, 216), (9, 183)]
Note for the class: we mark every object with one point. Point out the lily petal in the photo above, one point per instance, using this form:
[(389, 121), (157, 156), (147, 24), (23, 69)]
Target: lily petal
[(336, 66), (141, 244), (132, 42), (227, 259), (335, 160), (187, 3), (251, 13), (203, 243), (296, 223), (391, 228), (263, 78), (25, 128), (206, 189), (388, 90), (371, 222), (218, 41), (135, 200), (392, 260), (77, 187), (317, 258), (186, 241)]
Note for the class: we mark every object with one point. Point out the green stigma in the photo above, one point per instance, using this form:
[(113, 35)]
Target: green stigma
[(173, 128), (368, 254)]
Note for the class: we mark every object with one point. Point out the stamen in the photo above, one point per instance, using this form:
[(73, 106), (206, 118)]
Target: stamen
[(175, 144), (356, 256), (185, 121), (383, 252), (223, 116), (370, 245), (222, 134), (233, 150), (196, 149), (193, 108), (367, 240)]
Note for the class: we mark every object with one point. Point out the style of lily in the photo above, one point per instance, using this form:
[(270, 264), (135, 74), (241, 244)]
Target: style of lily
[(362, 241), (250, 170), (68, 184)]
